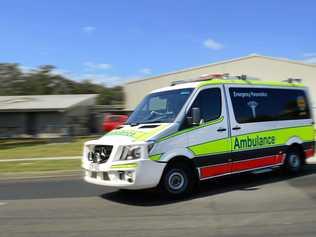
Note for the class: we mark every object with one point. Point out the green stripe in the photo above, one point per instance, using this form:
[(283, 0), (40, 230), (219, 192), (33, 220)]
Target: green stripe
[(155, 157), (305, 133), (217, 146), (282, 135), (124, 166), (220, 119), (248, 82), (136, 134)]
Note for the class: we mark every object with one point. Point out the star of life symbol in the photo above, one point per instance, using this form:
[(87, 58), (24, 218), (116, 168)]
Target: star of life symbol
[(253, 104)]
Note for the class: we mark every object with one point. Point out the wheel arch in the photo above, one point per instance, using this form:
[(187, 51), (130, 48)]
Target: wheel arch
[(294, 140), (296, 143), (178, 152), (180, 159)]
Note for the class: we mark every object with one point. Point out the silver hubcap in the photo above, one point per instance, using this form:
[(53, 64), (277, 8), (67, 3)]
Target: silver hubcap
[(294, 161), (176, 181)]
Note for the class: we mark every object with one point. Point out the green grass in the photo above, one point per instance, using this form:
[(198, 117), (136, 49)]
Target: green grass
[(37, 148), (39, 166)]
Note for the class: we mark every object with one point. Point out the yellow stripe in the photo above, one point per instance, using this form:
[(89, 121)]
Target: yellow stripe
[(220, 119), (124, 166)]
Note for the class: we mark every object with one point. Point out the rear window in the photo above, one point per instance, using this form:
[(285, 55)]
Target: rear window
[(265, 104)]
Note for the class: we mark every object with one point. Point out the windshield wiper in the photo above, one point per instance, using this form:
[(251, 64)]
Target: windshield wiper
[(153, 121), (144, 122), (132, 124)]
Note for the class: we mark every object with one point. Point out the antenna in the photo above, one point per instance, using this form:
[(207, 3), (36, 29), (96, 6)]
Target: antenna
[(242, 77), (293, 80)]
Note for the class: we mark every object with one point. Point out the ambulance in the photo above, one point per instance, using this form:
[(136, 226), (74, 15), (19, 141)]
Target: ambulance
[(200, 129)]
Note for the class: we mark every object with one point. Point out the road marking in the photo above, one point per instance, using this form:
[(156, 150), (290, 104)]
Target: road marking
[(47, 158), (3, 203)]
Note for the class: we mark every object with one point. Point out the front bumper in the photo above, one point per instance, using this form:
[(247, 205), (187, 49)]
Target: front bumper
[(136, 174)]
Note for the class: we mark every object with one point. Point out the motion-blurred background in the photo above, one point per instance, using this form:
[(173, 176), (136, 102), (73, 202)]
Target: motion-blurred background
[(70, 72)]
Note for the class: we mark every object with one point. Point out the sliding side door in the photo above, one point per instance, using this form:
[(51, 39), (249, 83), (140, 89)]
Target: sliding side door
[(261, 124)]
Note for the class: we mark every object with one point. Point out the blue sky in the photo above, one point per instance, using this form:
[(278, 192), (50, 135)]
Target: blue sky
[(115, 41)]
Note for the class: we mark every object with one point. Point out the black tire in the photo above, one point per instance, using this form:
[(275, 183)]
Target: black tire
[(293, 161), (178, 180)]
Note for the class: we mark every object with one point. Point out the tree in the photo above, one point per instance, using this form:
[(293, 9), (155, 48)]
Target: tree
[(45, 81)]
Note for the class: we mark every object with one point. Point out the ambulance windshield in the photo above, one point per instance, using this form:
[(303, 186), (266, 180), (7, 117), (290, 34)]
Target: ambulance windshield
[(160, 107)]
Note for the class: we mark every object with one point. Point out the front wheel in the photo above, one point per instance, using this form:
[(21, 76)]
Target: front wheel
[(177, 180)]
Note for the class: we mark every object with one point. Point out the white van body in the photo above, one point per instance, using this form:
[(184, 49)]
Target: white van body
[(244, 126)]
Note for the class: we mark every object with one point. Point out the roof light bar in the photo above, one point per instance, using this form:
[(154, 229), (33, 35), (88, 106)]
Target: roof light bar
[(211, 76), (178, 82)]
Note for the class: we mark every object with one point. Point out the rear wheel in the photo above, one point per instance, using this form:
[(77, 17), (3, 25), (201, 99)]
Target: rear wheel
[(177, 180), (293, 161)]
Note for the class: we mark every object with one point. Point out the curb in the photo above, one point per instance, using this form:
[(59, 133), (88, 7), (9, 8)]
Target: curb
[(311, 160), (44, 158), (38, 175)]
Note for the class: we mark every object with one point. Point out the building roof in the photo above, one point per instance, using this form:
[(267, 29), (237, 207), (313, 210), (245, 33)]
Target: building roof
[(42, 102), (199, 84), (227, 61)]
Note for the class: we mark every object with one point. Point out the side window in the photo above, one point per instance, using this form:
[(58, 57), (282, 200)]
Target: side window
[(210, 103), (265, 104)]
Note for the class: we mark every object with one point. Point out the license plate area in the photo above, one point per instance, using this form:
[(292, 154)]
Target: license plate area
[(93, 167), (106, 176), (100, 175), (93, 174)]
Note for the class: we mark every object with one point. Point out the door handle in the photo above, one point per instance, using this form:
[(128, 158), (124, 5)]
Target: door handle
[(236, 128), (221, 129)]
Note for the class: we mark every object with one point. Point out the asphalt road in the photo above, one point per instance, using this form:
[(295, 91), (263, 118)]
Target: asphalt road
[(269, 204)]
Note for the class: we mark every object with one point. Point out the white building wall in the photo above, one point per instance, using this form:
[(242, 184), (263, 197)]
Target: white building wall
[(264, 68)]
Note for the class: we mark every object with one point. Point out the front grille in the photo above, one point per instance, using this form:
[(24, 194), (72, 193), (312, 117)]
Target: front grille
[(100, 154)]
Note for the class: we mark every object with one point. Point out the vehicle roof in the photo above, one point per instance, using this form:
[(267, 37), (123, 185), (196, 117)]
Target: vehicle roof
[(199, 84)]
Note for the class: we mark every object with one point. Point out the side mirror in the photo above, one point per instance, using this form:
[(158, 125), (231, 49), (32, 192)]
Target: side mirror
[(196, 117)]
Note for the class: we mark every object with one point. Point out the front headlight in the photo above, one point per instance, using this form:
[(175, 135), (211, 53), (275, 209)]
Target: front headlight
[(131, 153)]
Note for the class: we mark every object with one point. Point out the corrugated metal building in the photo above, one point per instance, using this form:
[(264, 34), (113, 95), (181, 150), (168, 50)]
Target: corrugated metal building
[(262, 67), (45, 115)]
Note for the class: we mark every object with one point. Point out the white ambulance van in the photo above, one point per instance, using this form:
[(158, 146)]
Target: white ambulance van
[(216, 125)]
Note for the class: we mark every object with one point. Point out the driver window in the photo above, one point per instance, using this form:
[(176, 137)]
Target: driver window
[(210, 103)]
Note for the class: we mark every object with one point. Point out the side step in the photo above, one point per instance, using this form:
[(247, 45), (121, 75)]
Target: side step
[(261, 171)]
